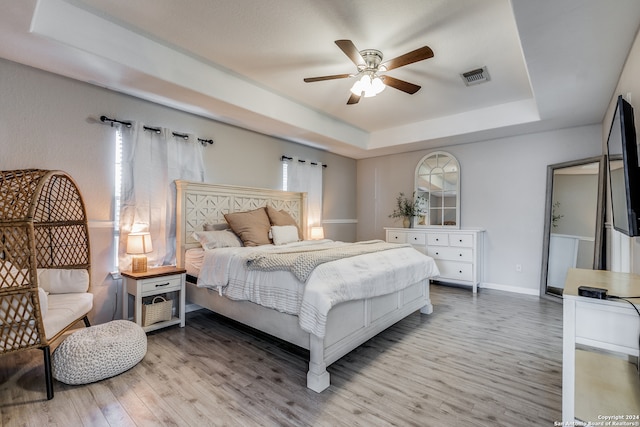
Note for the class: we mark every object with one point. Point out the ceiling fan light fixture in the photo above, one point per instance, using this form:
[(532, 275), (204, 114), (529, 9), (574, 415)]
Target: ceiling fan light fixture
[(369, 63), (377, 85), (361, 85), (370, 85)]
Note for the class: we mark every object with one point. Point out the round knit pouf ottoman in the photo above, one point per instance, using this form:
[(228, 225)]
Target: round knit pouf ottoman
[(99, 352)]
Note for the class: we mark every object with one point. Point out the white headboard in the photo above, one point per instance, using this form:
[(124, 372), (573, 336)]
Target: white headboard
[(199, 203)]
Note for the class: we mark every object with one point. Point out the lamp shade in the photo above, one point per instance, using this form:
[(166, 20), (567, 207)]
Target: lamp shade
[(139, 243), (317, 233)]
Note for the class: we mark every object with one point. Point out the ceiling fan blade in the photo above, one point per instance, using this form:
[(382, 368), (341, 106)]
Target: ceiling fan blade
[(420, 54), (353, 99), (402, 85), (351, 51), (319, 79)]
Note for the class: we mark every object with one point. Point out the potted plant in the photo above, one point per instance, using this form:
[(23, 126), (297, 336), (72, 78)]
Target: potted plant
[(555, 217), (407, 208)]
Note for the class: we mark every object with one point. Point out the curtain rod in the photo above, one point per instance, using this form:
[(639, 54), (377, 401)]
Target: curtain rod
[(284, 157), (185, 136), (112, 121)]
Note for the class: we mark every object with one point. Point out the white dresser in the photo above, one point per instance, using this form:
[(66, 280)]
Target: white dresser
[(457, 252)]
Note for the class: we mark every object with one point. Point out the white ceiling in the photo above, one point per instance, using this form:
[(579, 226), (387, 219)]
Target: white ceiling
[(552, 63)]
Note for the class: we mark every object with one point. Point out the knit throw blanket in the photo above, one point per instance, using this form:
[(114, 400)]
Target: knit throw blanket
[(301, 262)]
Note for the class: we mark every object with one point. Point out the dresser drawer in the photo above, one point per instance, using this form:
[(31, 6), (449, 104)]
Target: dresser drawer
[(438, 239), (461, 240), (165, 284), (455, 271), (415, 238), (451, 253), (396, 237)]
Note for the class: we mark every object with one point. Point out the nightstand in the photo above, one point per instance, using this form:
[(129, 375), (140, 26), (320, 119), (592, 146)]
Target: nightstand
[(153, 282)]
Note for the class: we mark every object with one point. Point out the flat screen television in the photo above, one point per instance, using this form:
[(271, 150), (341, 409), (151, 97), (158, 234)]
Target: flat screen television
[(624, 170)]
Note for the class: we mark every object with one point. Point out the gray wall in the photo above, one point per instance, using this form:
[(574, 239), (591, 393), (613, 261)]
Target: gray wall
[(629, 87), (49, 122), (503, 187)]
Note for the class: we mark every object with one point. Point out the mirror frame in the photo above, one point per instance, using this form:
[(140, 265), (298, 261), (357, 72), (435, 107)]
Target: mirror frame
[(415, 190), (599, 231)]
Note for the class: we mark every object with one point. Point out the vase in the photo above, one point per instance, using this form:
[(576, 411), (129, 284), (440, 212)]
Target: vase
[(406, 222)]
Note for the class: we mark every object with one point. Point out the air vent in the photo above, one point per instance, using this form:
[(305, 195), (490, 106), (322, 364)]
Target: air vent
[(474, 77)]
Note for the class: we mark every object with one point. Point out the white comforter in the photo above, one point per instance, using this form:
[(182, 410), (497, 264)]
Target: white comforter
[(352, 278)]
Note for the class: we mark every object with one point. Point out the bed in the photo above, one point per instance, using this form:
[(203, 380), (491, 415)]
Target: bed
[(347, 324)]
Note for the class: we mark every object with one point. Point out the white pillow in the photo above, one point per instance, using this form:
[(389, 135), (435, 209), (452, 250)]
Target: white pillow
[(217, 239), (215, 227), (283, 234), (44, 301), (63, 280)]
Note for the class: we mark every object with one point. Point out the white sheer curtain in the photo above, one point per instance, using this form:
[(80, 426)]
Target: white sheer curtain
[(151, 161), (303, 176)]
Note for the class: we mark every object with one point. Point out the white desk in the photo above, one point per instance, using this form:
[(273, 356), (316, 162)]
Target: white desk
[(605, 324)]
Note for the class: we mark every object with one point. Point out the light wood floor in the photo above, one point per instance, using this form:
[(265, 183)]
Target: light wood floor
[(491, 359)]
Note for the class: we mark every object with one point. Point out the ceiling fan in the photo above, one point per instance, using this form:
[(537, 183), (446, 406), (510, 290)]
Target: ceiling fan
[(370, 81)]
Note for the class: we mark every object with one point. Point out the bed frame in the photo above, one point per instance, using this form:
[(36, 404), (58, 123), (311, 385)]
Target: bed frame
[(349, 324)]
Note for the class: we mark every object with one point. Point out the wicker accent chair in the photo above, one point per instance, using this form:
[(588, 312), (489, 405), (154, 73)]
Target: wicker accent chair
[(44, 241)]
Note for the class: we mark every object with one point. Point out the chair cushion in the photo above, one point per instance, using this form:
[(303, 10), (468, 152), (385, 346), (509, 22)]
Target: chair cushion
[(63, 280), (44, 302), (63, 309), (99, 352)]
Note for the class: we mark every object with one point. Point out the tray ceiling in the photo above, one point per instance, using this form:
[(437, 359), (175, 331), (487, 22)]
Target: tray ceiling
[(243, 62)]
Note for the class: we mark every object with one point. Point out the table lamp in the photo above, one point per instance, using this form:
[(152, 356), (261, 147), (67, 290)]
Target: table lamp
[(317, 233), (139, 244)]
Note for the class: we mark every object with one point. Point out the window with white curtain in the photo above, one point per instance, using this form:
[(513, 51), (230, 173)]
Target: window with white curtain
[(148, 161), (117, 194), (305, 176), (285, 176)]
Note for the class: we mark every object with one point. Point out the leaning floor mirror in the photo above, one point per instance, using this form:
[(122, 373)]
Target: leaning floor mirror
[(574, 221)]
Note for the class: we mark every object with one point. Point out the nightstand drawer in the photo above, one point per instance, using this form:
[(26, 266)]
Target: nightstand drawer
[(160, 284)]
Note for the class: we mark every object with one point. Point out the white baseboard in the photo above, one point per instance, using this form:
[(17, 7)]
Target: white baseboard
[(510, 288)]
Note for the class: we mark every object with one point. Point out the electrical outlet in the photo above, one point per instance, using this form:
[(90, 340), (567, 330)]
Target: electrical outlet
[(519, 268)]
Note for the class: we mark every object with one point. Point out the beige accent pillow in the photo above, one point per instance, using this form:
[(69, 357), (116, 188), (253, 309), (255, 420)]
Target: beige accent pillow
[(217, 239), (251, 226), (282, 218)]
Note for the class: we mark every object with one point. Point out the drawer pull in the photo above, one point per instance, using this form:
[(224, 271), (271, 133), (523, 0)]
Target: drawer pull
[(437, 253), (160, 285), (415, 238), (437, 240), (459, 254), (460, 271)]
